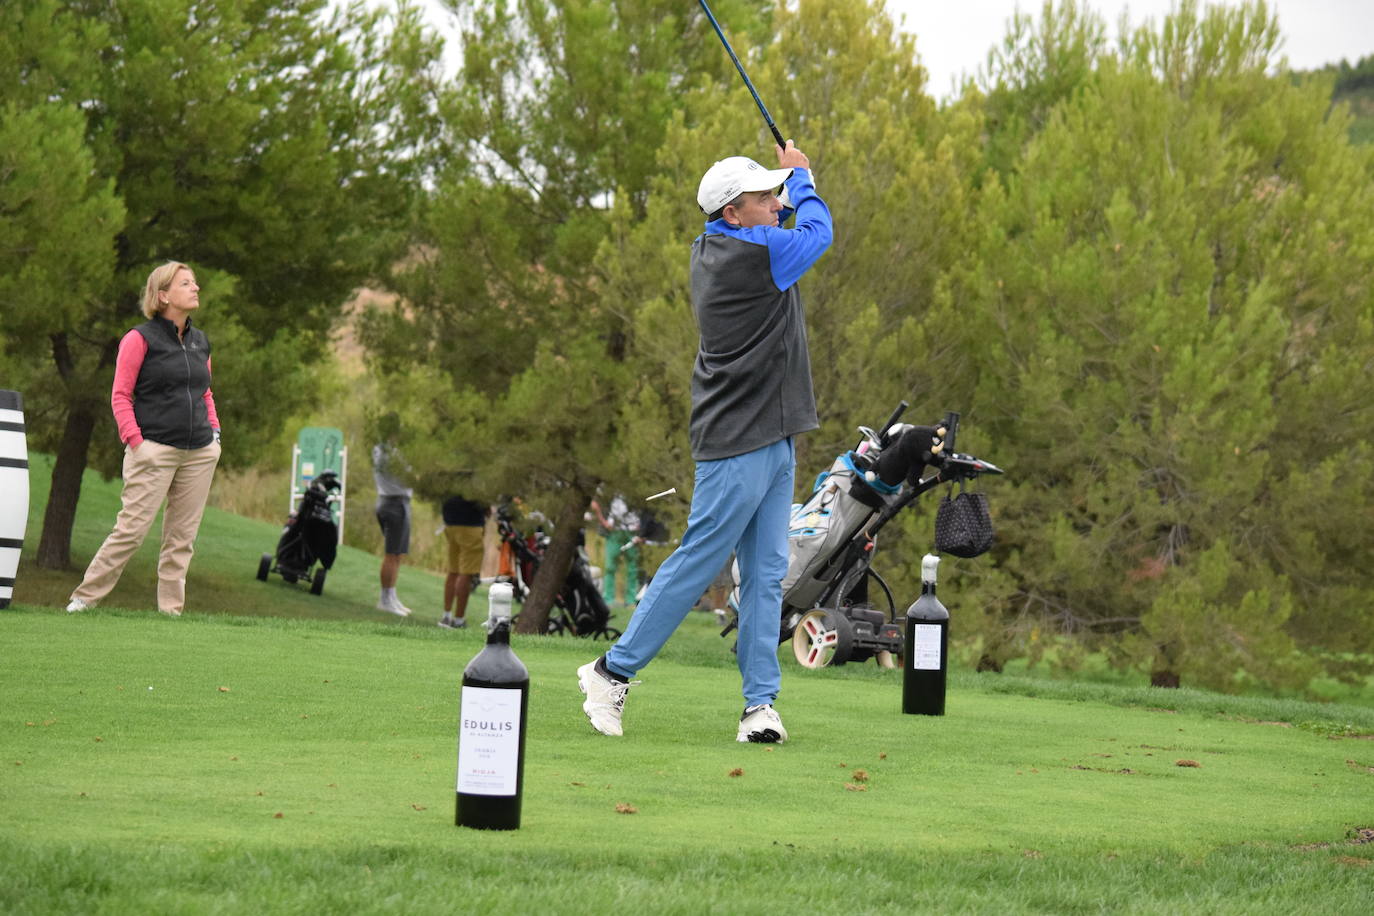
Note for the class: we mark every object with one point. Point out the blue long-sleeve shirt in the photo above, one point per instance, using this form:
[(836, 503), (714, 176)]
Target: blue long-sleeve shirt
[(751, 385)]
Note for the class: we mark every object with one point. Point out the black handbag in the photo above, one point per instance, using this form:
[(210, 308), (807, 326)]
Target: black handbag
[(963, 526)]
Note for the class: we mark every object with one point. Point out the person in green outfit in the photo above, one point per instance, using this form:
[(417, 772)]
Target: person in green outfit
[(619, 527)]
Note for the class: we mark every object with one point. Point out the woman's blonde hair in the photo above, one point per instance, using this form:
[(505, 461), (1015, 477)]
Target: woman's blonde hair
[(159, 281)]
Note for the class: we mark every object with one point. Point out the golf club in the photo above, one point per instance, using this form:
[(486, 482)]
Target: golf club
[(768, 119)]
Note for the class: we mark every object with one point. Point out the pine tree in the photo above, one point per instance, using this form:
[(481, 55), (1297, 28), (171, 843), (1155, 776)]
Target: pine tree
[(555, 120), (270, 145), (1165, 333)]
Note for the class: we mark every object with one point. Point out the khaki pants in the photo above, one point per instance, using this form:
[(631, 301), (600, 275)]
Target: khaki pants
[(153, 473)]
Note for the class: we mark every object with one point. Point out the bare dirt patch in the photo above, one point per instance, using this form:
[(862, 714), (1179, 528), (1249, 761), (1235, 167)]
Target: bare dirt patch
[(1124, 771), (1360, 836)]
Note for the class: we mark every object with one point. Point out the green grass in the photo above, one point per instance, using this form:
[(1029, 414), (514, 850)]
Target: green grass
[(320, 778), (221, 577)]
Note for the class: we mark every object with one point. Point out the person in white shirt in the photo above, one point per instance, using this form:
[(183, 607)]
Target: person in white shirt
[(390, 472)]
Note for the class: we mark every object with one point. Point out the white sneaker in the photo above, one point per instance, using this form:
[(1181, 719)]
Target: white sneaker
[(394, 607), (76, 604), (761, 725), (605, 699)]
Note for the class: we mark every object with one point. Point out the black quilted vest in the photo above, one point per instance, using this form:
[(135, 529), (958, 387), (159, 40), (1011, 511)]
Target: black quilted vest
[(169, 396)]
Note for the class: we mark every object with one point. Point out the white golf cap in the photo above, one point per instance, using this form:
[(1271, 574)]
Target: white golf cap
[(729, 178)]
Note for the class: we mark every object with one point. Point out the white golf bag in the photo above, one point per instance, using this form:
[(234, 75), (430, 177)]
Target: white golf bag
[(820, 527)]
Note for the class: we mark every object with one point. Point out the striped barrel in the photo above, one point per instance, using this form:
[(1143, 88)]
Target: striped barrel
[(14, 490)]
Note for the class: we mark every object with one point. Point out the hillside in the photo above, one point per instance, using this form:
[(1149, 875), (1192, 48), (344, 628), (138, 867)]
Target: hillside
[(1354, 86), (1361, 102)]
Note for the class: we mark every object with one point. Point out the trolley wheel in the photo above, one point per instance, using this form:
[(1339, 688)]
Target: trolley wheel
[(822, 637), (317, 583), (264, 567), (886, 659), (610, 634)]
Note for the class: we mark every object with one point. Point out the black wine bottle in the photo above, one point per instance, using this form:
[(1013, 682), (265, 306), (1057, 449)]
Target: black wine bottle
[(927, 648), (491, 734)]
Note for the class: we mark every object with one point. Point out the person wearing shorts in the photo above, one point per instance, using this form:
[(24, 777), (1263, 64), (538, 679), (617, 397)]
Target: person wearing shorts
[(463, 523), (393, 515)]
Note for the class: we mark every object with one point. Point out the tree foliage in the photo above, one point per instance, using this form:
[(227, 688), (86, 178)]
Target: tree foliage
[(1165, 320), (1352, 88), (1136, 268), (273, 146), (555, 120), (896, 175)]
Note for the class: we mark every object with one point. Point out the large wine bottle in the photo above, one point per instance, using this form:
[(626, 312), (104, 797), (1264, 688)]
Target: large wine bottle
[(927, 648), (491, 731)]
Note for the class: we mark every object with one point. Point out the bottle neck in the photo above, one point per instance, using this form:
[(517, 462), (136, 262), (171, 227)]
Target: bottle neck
[(927, 588), (500, 633)]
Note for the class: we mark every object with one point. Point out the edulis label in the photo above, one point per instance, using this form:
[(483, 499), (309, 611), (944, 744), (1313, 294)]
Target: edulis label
[(489, 741), (925, 648)]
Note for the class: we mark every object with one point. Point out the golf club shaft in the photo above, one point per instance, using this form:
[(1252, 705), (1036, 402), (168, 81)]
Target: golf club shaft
[(896, 415), (768, 119)]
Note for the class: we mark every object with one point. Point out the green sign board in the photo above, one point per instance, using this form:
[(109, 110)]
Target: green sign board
[(319, 449)]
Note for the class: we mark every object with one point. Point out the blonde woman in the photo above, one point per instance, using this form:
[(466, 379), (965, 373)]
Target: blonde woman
[(166, 417)]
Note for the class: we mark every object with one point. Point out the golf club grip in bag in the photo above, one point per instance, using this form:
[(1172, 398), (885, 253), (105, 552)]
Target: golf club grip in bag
[(951, 425), (896, 415)]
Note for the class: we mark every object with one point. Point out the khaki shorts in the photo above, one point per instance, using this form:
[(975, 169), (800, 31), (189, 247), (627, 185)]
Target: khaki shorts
[(464, 549)]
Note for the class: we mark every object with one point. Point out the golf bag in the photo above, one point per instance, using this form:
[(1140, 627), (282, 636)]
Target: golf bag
[(839, 505), (835, 607), (310, 537), (579, 609)]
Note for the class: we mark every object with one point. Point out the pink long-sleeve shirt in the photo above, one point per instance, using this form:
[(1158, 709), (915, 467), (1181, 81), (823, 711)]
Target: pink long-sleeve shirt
[(132, 349)]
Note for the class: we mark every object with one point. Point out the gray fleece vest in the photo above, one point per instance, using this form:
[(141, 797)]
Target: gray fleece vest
[(751, 385)]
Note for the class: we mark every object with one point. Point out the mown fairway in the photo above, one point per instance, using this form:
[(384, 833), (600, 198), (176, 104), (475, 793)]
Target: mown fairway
[(296, 754), (227, 764)]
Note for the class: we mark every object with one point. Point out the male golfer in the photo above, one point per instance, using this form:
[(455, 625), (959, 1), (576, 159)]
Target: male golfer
[(751, 393)]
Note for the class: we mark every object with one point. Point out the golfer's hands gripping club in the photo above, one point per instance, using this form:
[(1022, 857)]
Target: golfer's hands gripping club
[(790, 157)]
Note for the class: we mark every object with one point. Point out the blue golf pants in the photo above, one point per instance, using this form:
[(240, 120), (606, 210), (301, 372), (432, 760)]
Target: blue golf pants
[(740, 504)]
